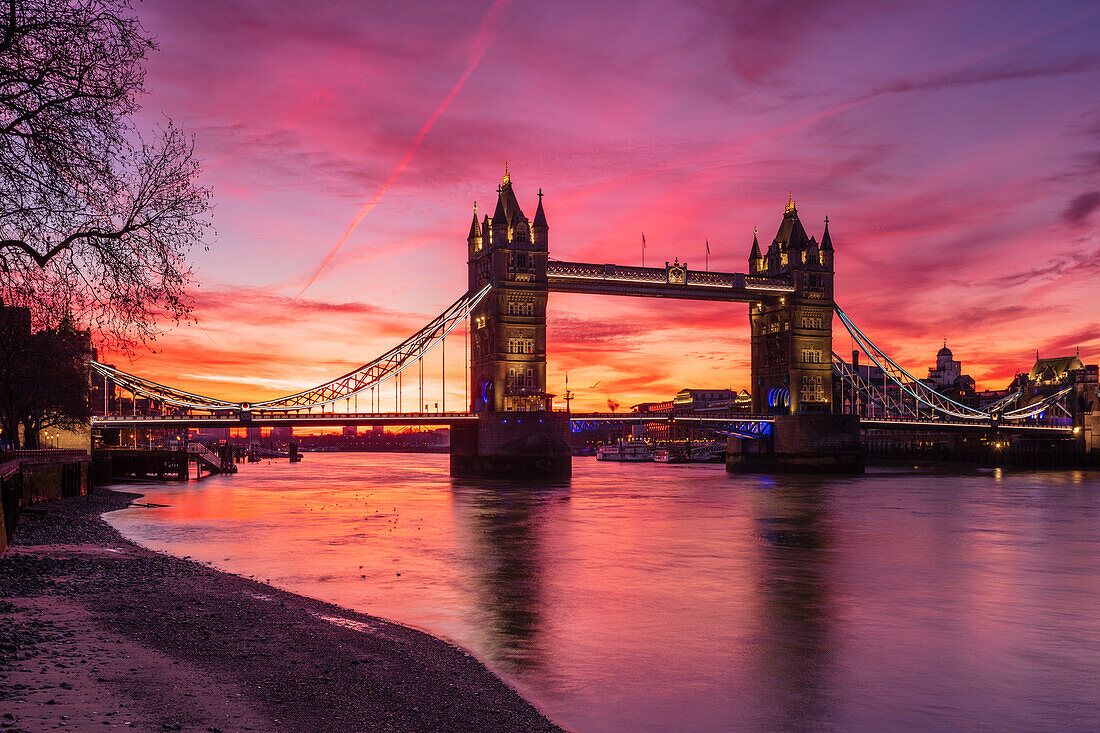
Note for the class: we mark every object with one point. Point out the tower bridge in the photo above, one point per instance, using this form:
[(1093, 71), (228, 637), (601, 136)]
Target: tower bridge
[(510, 429)]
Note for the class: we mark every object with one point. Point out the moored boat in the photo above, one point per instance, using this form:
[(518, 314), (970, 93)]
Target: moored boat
[(668, 455), (633, 451)]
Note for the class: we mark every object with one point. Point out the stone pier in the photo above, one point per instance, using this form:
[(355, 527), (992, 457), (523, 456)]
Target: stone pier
[(517, 445), (801, 443)]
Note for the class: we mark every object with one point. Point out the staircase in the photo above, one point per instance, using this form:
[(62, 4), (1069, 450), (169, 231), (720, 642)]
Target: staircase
[(209, 459)]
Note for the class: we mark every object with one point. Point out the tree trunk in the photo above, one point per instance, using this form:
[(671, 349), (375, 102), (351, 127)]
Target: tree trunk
[(30, 436)]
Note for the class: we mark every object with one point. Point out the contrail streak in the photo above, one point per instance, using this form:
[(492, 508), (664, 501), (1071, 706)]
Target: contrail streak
[(489, 27)]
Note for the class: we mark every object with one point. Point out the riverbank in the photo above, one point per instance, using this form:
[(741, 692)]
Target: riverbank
[(99, 632)]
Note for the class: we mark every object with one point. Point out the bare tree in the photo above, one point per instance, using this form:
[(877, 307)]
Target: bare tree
[(95, 219)]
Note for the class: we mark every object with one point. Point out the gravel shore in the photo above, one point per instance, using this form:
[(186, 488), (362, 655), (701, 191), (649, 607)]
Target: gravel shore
[(96, 633)]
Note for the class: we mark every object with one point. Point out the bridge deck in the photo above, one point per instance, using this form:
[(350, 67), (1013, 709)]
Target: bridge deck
[(452, 418), (282, 420), (926, 425), (655, 282)]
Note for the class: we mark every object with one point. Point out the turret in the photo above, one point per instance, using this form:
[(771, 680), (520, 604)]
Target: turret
[(539, 229), (474, 239), (756, 260), (827, 248)]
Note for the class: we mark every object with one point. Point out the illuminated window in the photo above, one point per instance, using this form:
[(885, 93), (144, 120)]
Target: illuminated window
[(521, 261), (521, 346), (812, 389), (521, 308), (811, 356)]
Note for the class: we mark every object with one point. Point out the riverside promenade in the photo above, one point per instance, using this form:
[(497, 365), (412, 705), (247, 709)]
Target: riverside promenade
[(99, 633)]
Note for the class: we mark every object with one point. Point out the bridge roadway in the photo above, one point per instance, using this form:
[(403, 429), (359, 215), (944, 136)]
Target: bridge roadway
[(336, 419), (675, 281), (924, 425), (755, 426)]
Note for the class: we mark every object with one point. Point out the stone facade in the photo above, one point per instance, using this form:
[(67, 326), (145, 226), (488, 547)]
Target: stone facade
[(508, 328), (792, 334), (516, 435)]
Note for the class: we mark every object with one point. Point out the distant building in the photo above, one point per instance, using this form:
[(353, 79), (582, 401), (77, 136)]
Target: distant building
[(947, 378), (693, 402), (210, 435), (700, 401), (1054, 371), (1051, 375), (282, 433), (350, 431)]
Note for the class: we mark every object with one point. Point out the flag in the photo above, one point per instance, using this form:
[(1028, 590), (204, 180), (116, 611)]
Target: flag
[(708, 246), (643, 240)]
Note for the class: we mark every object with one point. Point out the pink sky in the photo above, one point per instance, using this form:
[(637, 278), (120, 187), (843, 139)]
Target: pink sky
[(955, 148)]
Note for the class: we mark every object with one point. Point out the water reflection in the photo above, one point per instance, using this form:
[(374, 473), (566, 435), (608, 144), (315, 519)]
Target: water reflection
[(501, 524), (679, 598), (793, 659)]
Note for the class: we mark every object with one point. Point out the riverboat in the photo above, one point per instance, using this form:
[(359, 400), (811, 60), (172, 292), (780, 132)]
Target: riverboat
[(667, 455), (629, 451)]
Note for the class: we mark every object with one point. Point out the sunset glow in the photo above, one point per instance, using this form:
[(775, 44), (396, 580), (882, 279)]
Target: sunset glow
[(954, 147)]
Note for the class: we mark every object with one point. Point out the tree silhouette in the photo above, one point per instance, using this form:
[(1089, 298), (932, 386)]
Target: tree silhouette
[(95, 218), (44, 377)]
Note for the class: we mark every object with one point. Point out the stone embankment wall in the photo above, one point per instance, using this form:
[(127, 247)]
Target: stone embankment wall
[(28, 477)]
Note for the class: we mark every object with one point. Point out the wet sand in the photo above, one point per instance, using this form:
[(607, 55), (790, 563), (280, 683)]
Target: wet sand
[(98, 633)]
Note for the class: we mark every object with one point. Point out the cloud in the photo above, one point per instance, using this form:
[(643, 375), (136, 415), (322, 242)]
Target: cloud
[(490, 25), (764, 39), (1081, 263), (1081, 207), (935, 150), (993, 72)]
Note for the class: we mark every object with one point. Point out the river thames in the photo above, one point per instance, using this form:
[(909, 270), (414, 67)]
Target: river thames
[(650, 597)]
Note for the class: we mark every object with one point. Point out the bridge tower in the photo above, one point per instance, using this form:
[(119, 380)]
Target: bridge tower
[(792, 337), (516, 435), (508, 341), (792, 346)]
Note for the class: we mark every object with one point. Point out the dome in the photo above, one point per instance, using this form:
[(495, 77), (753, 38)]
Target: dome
[(944, 352)]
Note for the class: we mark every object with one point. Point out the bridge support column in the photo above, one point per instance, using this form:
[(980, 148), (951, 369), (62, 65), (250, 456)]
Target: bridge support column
[(517, 445), (801, 443)]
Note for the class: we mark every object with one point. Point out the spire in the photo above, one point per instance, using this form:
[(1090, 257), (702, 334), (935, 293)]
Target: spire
[(508, 213), (475, 228), (826, 240), (791, 235), (755, 255), (790, 203), (540, 215)]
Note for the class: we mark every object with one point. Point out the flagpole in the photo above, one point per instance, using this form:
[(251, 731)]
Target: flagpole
[(643, 249)]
